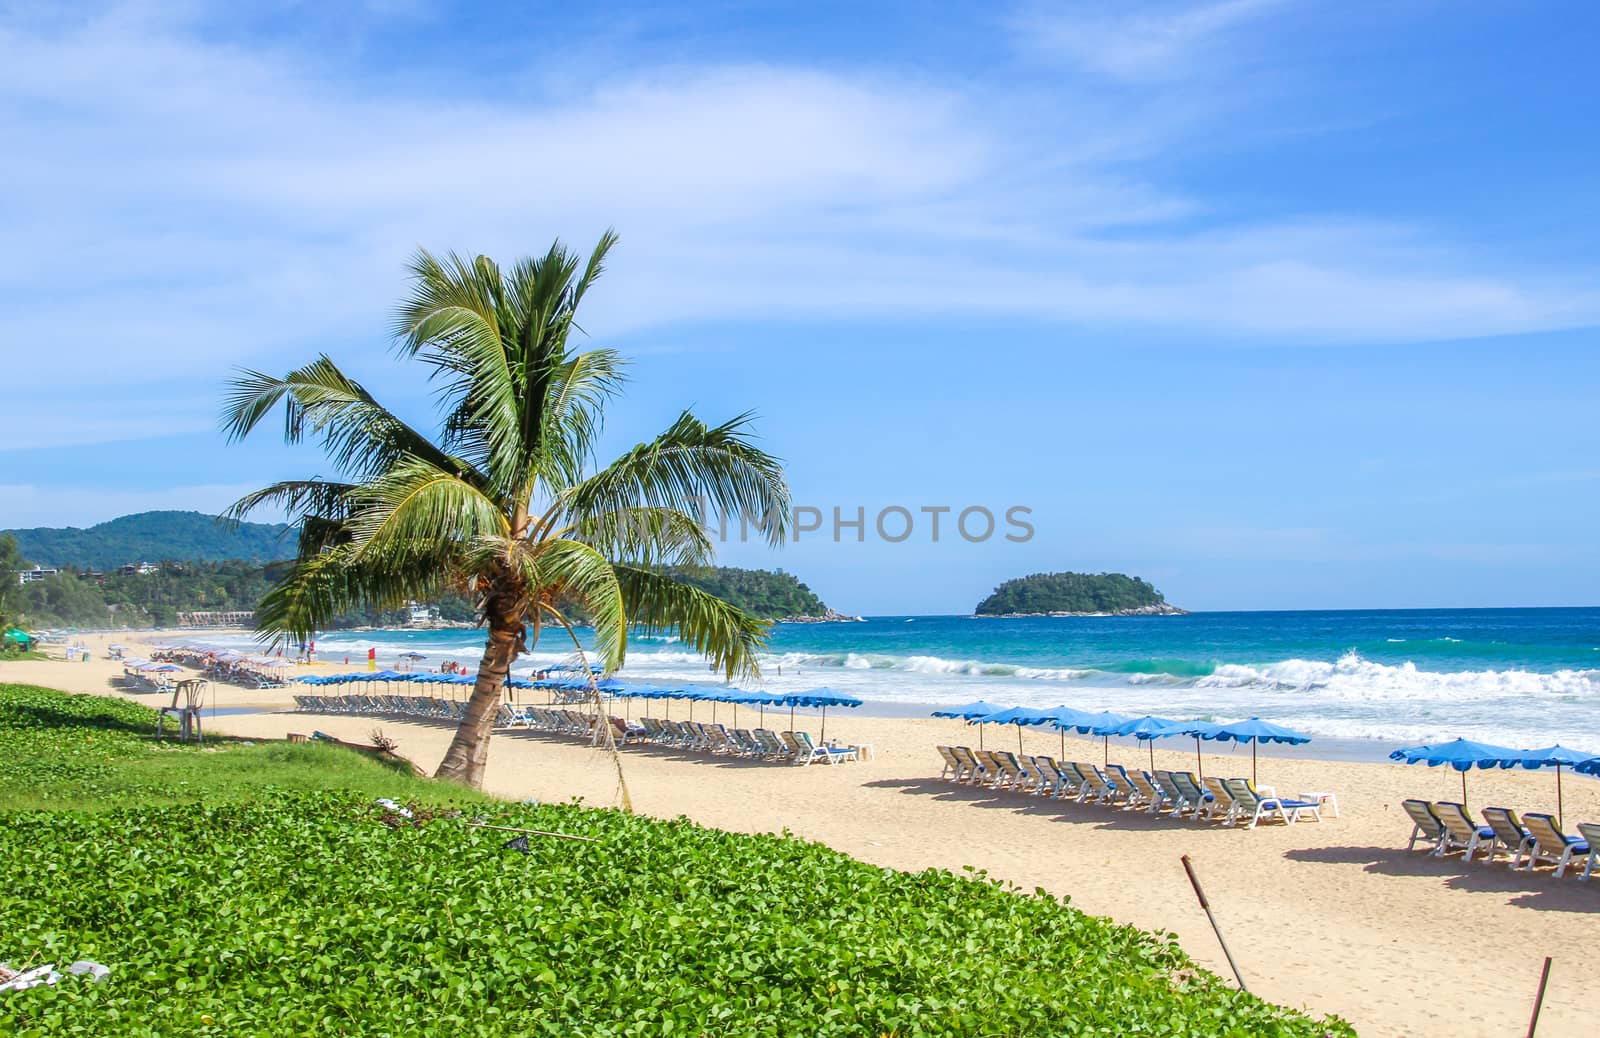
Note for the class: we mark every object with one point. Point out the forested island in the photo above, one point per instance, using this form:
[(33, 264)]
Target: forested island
[(101, 582), (1076, 594)]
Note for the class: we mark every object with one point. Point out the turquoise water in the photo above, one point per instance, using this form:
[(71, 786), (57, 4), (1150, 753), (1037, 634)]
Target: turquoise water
[(1520, 676)]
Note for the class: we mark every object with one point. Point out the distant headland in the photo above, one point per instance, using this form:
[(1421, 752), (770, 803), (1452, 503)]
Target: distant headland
[(1076, 594)]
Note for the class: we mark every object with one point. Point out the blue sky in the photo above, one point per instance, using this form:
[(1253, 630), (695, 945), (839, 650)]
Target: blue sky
[(1279, 304)]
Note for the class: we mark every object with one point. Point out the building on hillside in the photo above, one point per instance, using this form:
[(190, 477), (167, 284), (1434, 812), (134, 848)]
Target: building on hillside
[(422, 615), (217, 618), (36, 574), (133, 569)]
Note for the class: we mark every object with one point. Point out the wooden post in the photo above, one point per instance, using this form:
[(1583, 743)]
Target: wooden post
[(1194, 881), (1538, 1001)]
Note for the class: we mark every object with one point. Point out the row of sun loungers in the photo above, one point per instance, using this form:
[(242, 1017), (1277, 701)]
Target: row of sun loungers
[(1444, 827), (693, 736), (1228, 801)]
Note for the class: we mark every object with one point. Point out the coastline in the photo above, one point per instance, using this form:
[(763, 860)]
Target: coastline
[(1325, 915)]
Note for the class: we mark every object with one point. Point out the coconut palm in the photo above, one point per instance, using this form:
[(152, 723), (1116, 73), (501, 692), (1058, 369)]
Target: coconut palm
[(506, 503)]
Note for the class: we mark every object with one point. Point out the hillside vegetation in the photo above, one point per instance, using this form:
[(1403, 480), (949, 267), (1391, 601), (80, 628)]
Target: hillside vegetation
[(152, 537), (769, 594), (284, 905), (1074, 593)]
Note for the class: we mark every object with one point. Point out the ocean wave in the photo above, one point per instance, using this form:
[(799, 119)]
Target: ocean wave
[(1353, 678)]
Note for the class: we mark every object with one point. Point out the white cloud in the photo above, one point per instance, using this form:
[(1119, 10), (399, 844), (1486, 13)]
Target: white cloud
[(1136, 41), (177, 206)]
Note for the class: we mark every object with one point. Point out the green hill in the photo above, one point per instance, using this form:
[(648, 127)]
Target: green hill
[(153, 537), (1043, 593), (769, 594)]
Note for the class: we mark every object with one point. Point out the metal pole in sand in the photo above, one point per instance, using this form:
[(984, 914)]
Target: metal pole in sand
[(1544, 978)]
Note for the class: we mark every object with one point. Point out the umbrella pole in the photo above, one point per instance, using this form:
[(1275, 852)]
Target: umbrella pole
[(1199, 768), (1105, 747), (824, 736), (1463, 790), (1252, 762), (980, 735), (791, 717), (1019, 740), (1561, 817), (1063, 744), (1152, 755)]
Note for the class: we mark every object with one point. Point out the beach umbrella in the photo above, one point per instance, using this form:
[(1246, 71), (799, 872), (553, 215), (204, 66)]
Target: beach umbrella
[(1065, 717), (1557, 757), (1201, 730), (817, 697), (968, 711), (1020, 716), (1145, 729), (1254, 731), (1461, 754), (1091, 724)]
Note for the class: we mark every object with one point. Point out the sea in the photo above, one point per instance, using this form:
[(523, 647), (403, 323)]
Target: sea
[(1520, 677)]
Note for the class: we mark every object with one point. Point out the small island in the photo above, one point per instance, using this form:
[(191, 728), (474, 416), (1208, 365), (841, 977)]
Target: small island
[(1076, 594)]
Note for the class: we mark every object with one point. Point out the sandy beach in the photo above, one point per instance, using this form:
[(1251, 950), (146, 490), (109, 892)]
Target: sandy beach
[(1336, 917)]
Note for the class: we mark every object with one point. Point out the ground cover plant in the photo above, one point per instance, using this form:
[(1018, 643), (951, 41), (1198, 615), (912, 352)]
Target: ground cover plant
[(268, 911)]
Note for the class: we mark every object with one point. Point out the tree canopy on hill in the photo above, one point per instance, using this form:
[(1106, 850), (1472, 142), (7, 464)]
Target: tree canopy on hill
[(152, 537), (1071, 593), (769, 594)]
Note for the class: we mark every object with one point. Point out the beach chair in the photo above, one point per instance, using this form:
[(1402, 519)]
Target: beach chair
[(1220, 803), (1167, 791), (1051, 781), (1551, 844), (1123, 790), (1096, 787), (1425, 825), (968, 772), (1591, 835), (1508, 834), (1249, 801), (1145, 793), (825, 754), (776, 748), (1460, 831), (988, 768), (1192, 797), (952, 767), (1032, 776), (1072, 775), (1011, 775)]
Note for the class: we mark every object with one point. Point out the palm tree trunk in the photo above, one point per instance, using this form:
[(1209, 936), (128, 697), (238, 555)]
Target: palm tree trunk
[(469, 751)]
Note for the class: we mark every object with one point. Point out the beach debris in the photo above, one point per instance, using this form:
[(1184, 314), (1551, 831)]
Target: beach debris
[(94, 971), (517, 843), (12, 980), (397, 808)]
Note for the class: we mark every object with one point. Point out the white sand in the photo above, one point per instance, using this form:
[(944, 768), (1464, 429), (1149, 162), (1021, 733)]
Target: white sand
[(1336, 917)]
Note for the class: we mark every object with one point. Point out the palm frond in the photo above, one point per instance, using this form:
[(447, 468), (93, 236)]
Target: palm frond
[(563, 569), (647, 537), (416, 502), (318, 589), (656, 603), (689, 467), (579, 389)]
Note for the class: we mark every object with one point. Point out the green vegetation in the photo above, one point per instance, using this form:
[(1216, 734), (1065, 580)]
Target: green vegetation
[(769, 594), (152, 536), (72, 599), (507, 498), (1071, 593), (10, 591), (262, 907)]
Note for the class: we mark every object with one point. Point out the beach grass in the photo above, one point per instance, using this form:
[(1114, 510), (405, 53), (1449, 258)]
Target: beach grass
[(257, 890)]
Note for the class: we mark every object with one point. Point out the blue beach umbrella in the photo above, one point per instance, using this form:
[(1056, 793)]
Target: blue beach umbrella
[(1558, 757), (968, 711), (1090, 724), (1020, 716), (1254, 731), (1200, 730), (823, 697), (1145, 729), (1461, 754)]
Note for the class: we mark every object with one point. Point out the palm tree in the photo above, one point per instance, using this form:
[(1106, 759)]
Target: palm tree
[(507, 503)]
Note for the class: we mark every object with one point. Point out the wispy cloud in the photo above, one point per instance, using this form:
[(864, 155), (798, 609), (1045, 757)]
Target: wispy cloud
[(1137, 41), (178, 205)]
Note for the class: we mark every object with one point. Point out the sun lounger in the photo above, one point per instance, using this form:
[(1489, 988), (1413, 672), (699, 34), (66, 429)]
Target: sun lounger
[(1193, 798), (824, 754), (970, 768), (1221, 804), (1550, 843), (1460, 831), (1425, 824), (1096, 786), (1509, 835), (952, 767), (1072, 788), (1249, 801), (1051, 781), (988, 768), (1167, 792), (1011, 775), (1591, 835), (1123, 789), (1144, 792), (1032, 776)]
